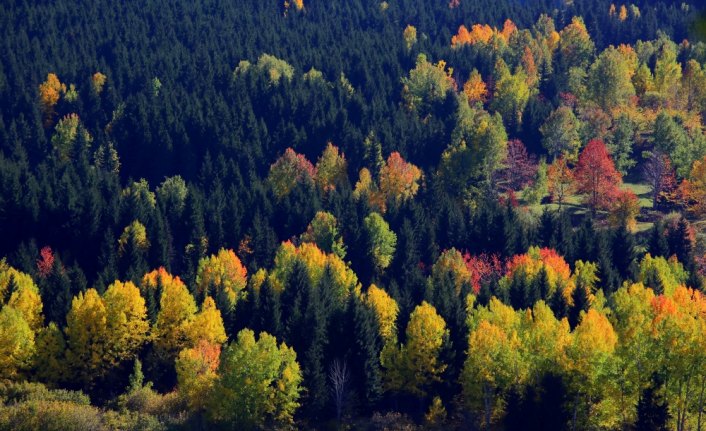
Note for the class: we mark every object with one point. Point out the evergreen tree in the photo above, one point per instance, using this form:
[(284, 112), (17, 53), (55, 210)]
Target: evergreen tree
[(652, 408)]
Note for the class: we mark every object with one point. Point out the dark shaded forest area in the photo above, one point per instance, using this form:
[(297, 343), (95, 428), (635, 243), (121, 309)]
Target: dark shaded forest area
[(352, 215)]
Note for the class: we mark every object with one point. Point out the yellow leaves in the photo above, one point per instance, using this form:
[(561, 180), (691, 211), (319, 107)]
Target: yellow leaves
[(126, 320), (416, 364), (222, 274), (22, 294), (86, 332), (207, 325), (386, 310), (196, 373), (17, 345), (103, 332), (135, 236), (98, 81), (410, 36), (176, 309), (331, 168)]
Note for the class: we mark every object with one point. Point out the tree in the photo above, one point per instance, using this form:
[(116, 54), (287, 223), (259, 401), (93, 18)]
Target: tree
[(659, 174), (86, 332), (413, 366), (620, 143), (323, 231), (67, 131), (207, 325), (609, 80), (475, 89), (652, 408), (126, 322), (560, 133), (263, 394), (561, 181), (519, 168), (589, 359), (477, 149), (176, 310), (410, 36), (596, 176), (331, 169), (290, 169), (381, 240), (197, 373), (339, 377), (49, 93), (223, 276), (511, 95), (17, 344), (426, 84), (624, 211), (386, 311), (693, 190), (399, 180)]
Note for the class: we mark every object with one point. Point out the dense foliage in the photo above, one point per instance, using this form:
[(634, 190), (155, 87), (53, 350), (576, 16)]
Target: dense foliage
[(378, 215)]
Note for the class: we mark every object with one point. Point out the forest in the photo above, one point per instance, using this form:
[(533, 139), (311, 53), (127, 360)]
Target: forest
[(375, 215)]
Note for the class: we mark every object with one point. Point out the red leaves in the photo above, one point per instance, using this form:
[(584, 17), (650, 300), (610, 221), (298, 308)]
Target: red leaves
[(46, 262), (596, 176), (483, 267)]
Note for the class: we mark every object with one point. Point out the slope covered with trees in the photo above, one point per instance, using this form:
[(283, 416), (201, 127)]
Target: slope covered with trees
[(377, 215)]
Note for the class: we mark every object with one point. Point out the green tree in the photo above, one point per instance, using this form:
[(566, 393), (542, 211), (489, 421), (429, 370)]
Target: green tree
[(381, 240), (263, 394)]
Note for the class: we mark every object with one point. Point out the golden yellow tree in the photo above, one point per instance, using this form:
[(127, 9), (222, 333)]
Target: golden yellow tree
[(412, 367)]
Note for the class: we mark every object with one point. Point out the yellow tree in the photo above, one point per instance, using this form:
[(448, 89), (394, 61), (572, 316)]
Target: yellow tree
[(331, 168), (412, 367), (86, 333), (496, 358), (560, 180), (475, 89), (222, 275), (126, 321), (17, 347), (386, 311), (51, 367), (176, 310), (207, 325), (22, 294), (589, 361), (196, 373), (634, 354), (410, 36)]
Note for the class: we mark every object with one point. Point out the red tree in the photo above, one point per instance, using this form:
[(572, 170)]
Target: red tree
[(46, 262), (596, 176)]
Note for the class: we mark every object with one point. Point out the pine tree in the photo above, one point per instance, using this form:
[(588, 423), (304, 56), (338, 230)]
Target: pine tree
[(581, 303), (652, 408), (658, 245)]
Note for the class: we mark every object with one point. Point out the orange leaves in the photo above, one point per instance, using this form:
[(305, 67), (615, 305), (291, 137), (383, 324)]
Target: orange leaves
[(475, 89), (560, 180), (399, 180), (482, 33), (224, 274), (49, 93)]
